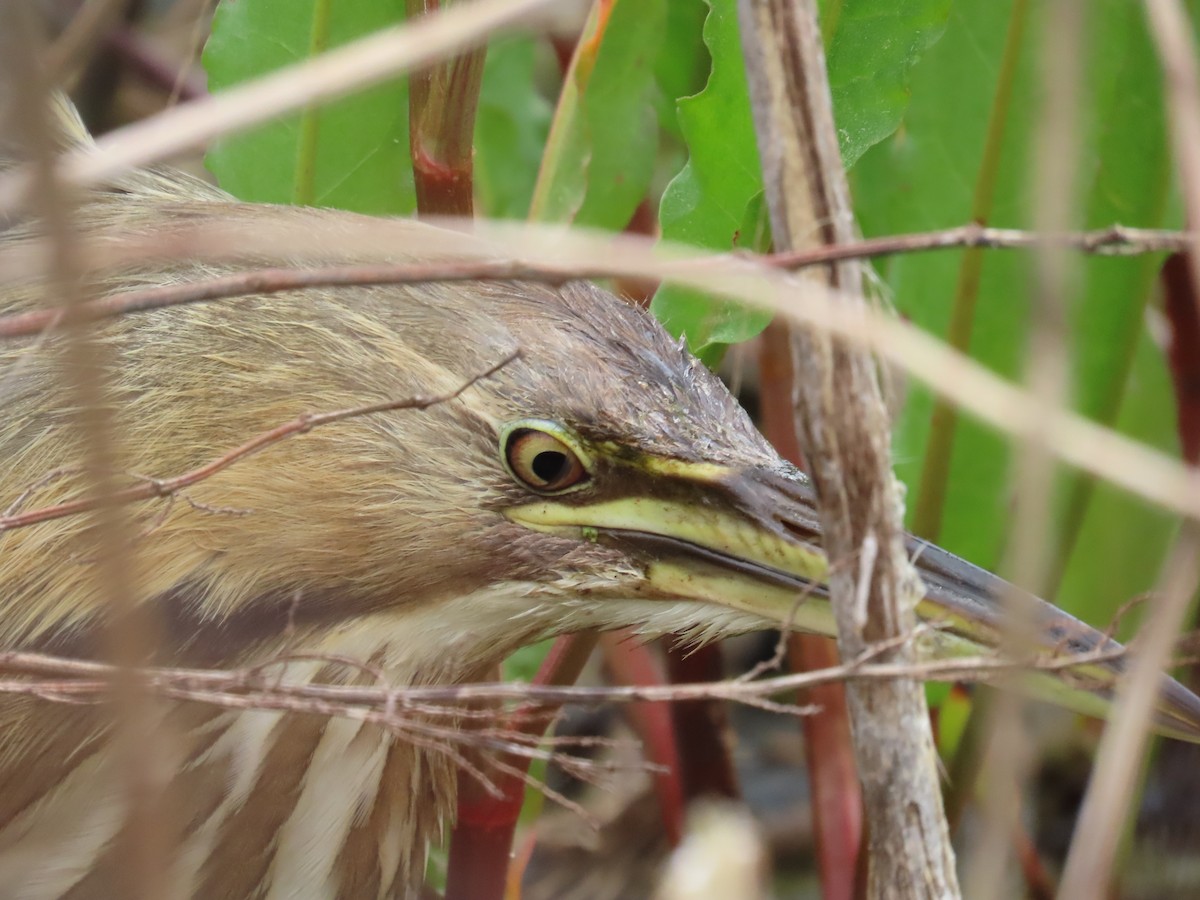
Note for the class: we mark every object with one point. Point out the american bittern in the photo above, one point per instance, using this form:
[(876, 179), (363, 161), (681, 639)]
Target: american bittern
[(602, 479)]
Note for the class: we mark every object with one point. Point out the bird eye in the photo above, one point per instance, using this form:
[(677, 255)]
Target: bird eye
[(541, 461)]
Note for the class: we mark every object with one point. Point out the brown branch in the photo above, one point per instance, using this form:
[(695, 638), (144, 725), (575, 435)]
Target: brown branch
[(1114, 240), (843, 425), (149, 488), (412, 713), (62, 678)]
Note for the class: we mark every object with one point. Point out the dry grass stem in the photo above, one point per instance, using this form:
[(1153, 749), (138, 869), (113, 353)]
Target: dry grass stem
[(1112, 785), (1010, 753), (129, 637), (1114, 777)]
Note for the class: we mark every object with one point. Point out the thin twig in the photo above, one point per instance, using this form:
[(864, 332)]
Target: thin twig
[(255, 688), (1111, 241), (150, 488)]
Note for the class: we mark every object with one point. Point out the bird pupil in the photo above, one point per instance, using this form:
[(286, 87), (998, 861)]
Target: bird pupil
[(549, 465)]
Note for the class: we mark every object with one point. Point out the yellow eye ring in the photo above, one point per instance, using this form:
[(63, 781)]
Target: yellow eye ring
[(538, 456)]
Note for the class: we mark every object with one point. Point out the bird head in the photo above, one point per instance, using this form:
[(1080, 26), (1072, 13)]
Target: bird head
[(618, 473)]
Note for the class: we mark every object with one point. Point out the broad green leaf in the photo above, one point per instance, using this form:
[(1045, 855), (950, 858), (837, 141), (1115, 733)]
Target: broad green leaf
[(709, 324), (352, 153), (872, 45), (1120, 375), (510, 129), (683, 61), (709, 203), (600, 153), (926, 176)]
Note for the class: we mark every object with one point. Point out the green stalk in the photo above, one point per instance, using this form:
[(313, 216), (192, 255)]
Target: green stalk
[(935, 470), (304, 189)]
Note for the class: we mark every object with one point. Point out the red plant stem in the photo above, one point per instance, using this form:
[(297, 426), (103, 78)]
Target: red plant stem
[(481, 842), (442, 101), (702, 726), (829, 754), (836, 797), (153, 66), (1183, 352), (1038, 882), (1181, 300), (631, 662)]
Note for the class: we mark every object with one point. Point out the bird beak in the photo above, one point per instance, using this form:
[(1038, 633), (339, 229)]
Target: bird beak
[(749, 539)]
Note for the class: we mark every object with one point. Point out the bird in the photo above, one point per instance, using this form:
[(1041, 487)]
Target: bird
[(600, 478)]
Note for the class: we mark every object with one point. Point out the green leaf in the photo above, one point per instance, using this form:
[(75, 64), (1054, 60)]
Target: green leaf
[(352, 153), (1120, 375), (683, 61), (711, 325), (600, 153), (510, 129), (711, 202), (927, 176), (872, 46), (523, 664)]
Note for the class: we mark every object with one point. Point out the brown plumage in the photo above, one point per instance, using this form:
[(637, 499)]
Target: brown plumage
[(376, 539), (418, 541)]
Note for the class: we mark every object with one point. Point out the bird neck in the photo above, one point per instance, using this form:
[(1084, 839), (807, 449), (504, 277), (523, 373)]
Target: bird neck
[(375, 797), (310, 805)]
